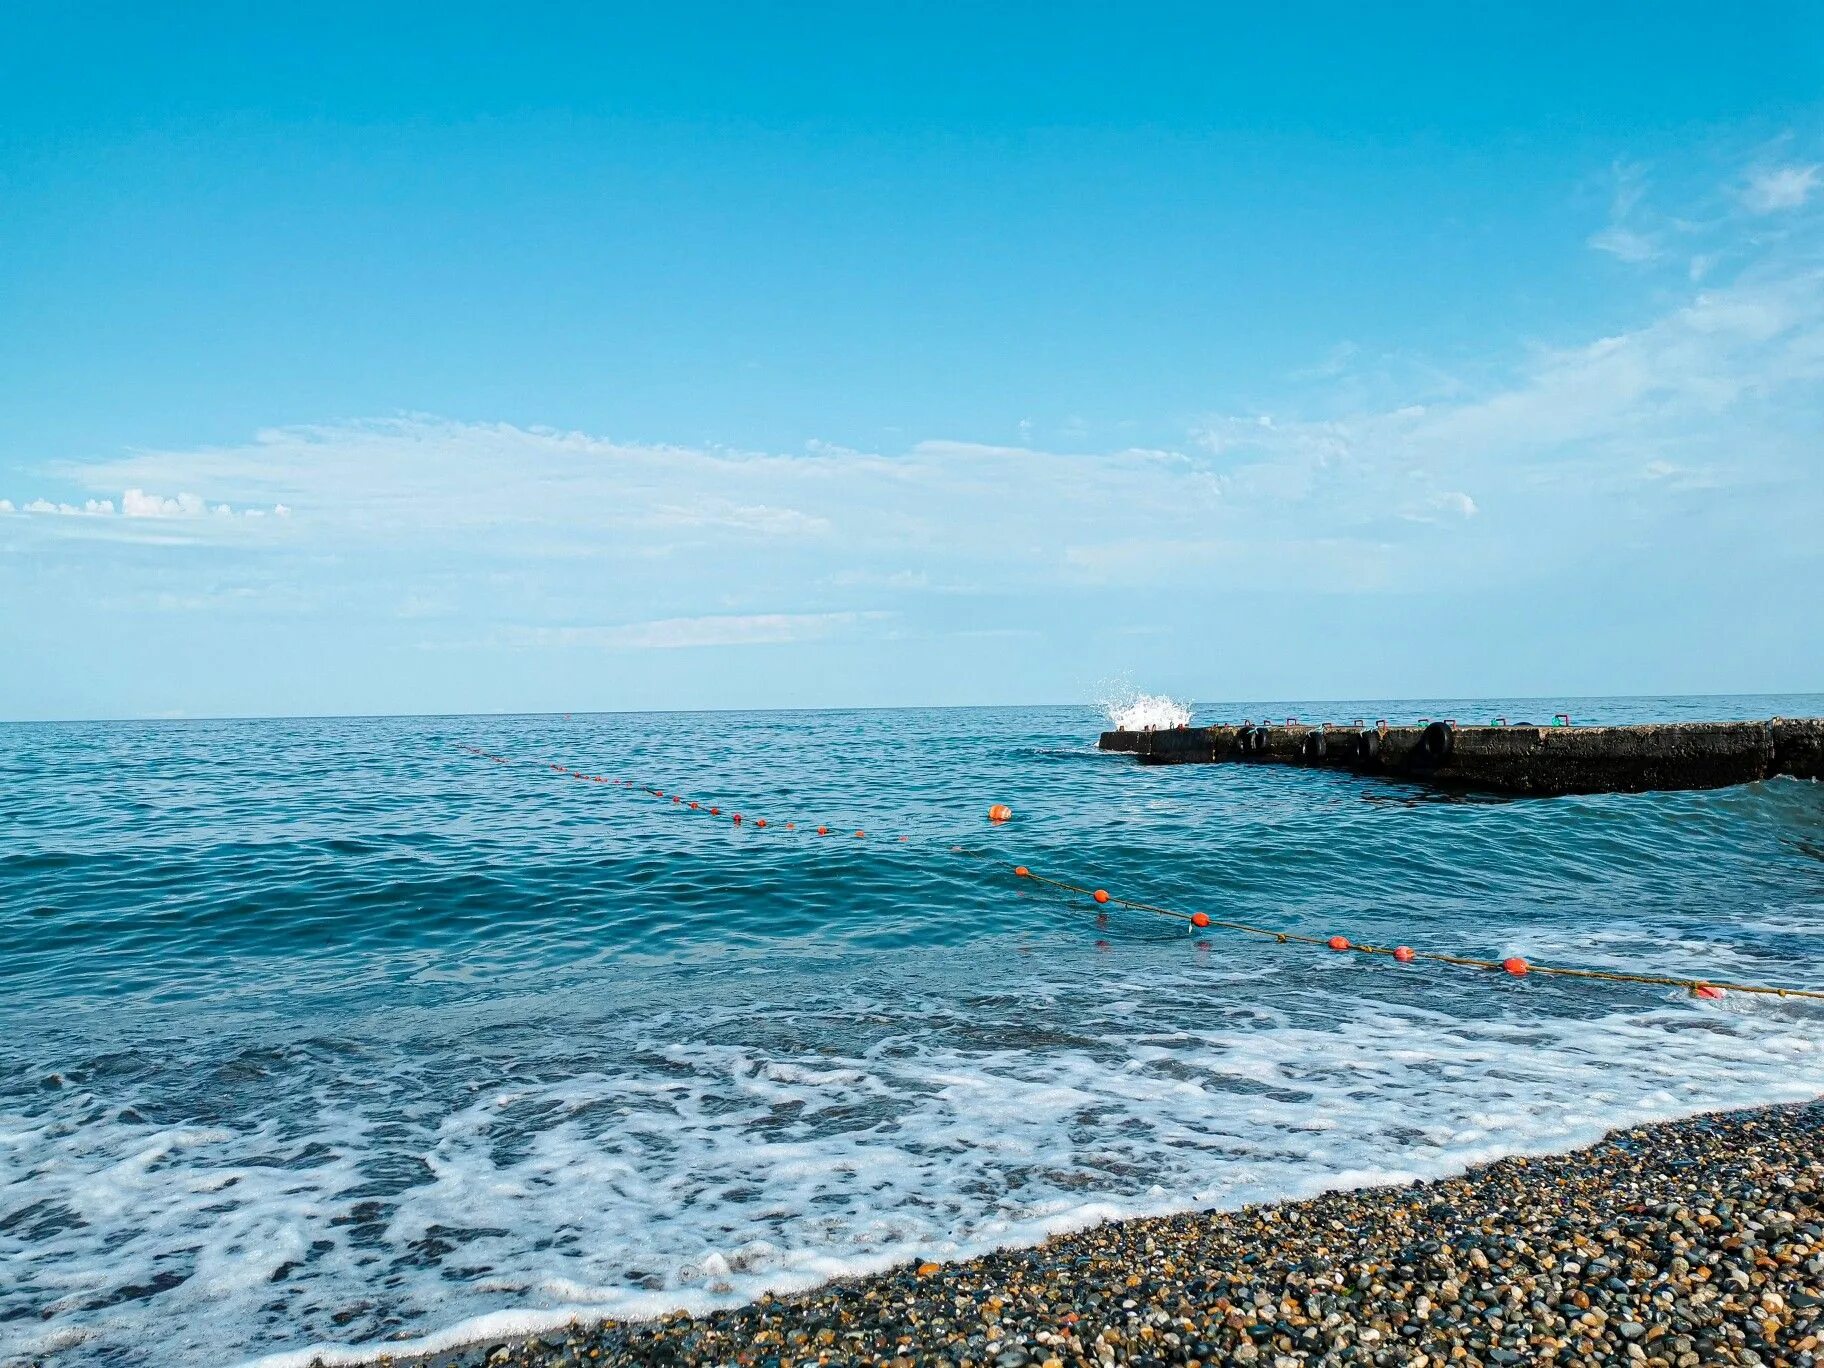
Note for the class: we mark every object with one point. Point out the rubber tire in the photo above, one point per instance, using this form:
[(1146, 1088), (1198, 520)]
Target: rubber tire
[(1435, 744)]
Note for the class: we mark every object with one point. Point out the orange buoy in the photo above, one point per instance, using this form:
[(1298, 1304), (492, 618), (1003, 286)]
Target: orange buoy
[(1000, 812), (1338, 942), (1706, 990), (1100, 895), (1200, 919), (823, 831), (791, 826), (860, 835), (715, 812), (1515, 965), (1022, 872), (759, 821), (693, 807), (1403, 953)]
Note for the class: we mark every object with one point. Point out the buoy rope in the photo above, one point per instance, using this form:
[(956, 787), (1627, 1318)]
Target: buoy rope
[(1200, 920), (1513, 965)]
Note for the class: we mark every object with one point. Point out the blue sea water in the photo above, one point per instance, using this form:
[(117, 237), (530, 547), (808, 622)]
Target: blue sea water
[(325, 1033)]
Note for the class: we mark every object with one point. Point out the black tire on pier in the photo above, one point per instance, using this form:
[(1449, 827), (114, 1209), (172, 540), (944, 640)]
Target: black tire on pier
[(1435, 743)]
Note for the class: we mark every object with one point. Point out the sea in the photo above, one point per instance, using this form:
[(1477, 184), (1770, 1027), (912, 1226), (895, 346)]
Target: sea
[(332, 1037)]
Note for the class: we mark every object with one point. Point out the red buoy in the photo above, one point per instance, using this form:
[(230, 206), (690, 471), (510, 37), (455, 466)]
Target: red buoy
[(1707, 990), (715, 812), (1100, 895), (737, 819), (693, 807), (823, 831), (1200, 919), (1338, 942), (1515, 965), (1403, 953)]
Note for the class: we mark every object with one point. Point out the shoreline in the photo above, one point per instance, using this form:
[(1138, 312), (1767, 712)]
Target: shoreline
[(1679, 1243)]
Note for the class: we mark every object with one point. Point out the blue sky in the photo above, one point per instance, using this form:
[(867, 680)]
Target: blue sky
[(372, 359)]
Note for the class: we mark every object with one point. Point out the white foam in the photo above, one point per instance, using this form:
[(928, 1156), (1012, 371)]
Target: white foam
[(627, 1164)]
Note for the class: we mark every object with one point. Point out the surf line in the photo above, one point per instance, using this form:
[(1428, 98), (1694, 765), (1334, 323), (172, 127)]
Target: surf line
[(1513, 966)]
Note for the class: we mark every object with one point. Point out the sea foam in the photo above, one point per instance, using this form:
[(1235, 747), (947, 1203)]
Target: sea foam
[(323, 1038)]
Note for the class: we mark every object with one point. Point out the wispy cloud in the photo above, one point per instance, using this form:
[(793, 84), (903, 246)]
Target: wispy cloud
[(1373, 472), (1769, 189), (670, 634), (1623, 237), (1618, 240)]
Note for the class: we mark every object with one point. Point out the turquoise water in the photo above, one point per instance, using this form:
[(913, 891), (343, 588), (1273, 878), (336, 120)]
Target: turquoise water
[(327, 1032)]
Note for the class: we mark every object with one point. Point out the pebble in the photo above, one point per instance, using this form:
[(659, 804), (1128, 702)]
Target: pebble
[(1680, 1245)]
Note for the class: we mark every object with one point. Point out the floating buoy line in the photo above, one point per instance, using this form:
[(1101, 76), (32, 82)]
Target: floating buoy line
[(1513, 966)]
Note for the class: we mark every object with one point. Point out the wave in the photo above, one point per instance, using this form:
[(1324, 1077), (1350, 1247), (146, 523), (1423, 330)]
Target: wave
[(1146, 712)]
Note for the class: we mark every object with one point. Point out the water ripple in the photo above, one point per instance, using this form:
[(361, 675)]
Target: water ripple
[(326, 1032)]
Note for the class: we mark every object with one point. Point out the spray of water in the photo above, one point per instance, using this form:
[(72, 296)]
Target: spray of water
[(1130, 709)]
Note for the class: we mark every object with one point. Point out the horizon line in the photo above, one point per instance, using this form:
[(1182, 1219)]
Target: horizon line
[(879, 707)]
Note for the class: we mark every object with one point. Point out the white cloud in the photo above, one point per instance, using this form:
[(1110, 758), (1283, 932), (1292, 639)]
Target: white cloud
[(136, 503), (1772, 188), (1724, 382), (758, 518), (1361, 478), (1622, 238), (1455, 501), (1625, 243), (748, 629), (90, 508)]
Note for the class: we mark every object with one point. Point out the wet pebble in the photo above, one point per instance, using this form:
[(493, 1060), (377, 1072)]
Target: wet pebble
[(1681, 1245)]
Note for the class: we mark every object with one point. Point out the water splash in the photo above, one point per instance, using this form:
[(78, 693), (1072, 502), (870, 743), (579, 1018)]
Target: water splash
[(1135, 711)]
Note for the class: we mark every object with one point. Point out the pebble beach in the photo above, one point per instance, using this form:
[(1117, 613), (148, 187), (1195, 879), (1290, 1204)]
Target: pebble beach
[(504, 1056), (1674, 1245)]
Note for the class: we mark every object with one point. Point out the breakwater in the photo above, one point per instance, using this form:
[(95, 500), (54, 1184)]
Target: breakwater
[(1522, 759)]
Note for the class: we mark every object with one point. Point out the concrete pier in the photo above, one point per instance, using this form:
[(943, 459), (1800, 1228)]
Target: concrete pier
[(1509, 759)]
